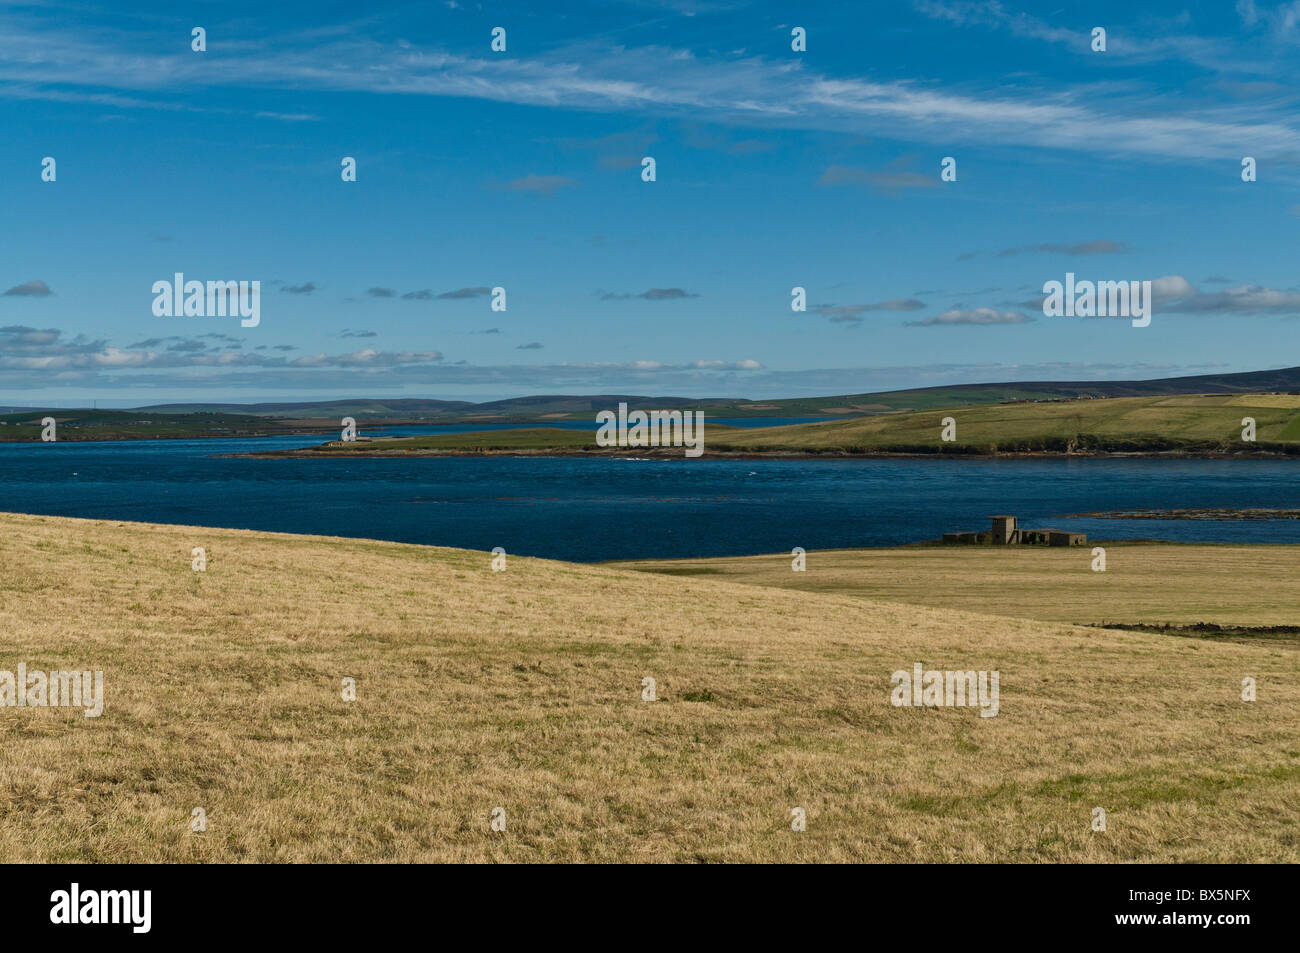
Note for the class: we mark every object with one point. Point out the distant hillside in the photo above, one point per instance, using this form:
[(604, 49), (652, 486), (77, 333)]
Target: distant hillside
[(357, 407), (133, 425), (573, 407), (1246, 382), (1191, 424)]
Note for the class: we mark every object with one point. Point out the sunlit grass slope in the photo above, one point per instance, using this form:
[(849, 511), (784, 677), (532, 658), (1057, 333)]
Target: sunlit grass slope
[(522, 690)]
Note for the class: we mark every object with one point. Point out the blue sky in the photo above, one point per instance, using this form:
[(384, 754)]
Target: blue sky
[(522, 169)]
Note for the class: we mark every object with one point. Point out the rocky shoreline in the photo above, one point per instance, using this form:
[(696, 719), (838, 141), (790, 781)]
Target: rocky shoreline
[(1204, 513)]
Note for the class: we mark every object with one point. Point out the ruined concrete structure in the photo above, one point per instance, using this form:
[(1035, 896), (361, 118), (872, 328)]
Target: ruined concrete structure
[(1006, 532)]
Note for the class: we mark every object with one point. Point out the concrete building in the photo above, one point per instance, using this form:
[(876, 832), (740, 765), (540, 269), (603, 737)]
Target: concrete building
[(1004, 530), (1007, 532), (1067, 539)]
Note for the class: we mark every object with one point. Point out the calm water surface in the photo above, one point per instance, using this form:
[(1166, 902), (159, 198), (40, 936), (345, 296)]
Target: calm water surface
[(608, 508)]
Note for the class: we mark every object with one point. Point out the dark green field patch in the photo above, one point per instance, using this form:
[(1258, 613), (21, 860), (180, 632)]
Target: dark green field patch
[(1291, 431)]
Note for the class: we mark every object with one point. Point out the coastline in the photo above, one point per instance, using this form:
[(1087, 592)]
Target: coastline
[(675, 453), (136, 438)]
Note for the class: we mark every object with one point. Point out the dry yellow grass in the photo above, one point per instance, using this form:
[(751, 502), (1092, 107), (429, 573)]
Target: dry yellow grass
[(1154, 583), (522, 690), (1266, 400)]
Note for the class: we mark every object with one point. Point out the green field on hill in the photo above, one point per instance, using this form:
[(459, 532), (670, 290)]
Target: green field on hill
[(76, 425), (1196, 424), (1117, 424)]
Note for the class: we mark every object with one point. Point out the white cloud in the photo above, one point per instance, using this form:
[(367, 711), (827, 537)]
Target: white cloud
[(1171, 288), (1244, 299), (750, 90), (972, 316)]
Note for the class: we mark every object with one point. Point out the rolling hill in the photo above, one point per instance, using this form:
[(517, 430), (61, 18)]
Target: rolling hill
[(1202, 423), (1187, 424), (568, 407)]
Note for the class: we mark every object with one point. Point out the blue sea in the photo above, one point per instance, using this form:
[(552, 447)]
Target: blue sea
[(590, 509)]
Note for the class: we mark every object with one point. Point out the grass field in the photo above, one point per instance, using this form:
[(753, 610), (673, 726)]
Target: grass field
[(1113, 424), (1144, 583), (1201, 424), (522, 690)]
